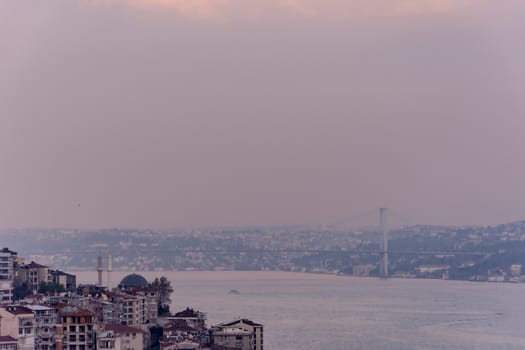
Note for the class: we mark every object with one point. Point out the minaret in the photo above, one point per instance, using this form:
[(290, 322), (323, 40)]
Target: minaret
[(383, 220), (110, 269), (100, 269)]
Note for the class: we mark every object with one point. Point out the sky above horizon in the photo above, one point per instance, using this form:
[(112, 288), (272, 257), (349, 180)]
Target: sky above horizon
[(165, 113)]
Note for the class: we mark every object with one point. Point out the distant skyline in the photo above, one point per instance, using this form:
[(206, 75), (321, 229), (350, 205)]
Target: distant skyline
[(167, 113)]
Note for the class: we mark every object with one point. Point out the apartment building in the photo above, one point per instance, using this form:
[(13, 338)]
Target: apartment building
[(129, 309), (79, 328), (241, 334), (193, 318), (150, 302), (67, 280), (34, 274), (19, 323), (8, 260), (45, 323), (232, 338), (107, 340), (131, 338)]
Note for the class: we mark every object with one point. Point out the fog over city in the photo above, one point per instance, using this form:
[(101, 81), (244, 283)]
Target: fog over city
[(168, 113)]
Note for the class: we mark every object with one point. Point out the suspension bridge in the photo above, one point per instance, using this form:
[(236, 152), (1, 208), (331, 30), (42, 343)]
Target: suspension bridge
[(381, 217)]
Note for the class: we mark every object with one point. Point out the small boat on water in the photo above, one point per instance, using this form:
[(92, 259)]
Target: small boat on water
[(234, 291)]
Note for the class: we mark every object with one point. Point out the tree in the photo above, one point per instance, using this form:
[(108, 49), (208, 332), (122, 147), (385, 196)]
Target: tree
[(164, 290), (21, 289), (50, 287)]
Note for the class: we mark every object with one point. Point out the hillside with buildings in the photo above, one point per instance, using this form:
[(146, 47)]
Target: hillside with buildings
[(484, 253), (134, 316)]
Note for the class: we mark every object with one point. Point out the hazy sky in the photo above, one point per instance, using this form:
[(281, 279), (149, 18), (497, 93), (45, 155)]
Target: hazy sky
[(158, 113)]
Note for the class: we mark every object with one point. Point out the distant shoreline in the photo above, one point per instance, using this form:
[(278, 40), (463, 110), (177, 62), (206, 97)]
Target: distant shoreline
[(153, 274)]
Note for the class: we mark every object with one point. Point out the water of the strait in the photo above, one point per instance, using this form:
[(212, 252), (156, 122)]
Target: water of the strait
[(309, 311)]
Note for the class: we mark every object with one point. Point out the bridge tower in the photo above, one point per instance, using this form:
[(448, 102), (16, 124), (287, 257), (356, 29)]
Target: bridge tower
[(383, 221)]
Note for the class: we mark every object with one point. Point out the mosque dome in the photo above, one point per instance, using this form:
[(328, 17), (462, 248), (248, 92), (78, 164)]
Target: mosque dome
[(133, 280)]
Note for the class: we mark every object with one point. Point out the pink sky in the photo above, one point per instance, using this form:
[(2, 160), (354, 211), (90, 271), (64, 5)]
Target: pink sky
[(242, 9), (169, 112)]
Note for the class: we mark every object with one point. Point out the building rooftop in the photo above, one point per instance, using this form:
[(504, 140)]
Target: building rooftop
[(18, 310), (133, 280), (6, 250), (179, 326), (74, 311), (7, 339), (231, 331), (122, 328), (187, 313), (38, 307), (140, 289), (34, 296), (60, 273), (242, 320), (34, 265), (189, 344)]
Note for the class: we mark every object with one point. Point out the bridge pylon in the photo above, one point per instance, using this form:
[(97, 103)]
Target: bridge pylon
[(383, 222)]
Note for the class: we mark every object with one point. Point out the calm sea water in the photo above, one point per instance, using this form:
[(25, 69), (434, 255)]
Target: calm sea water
[(307, 311)]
